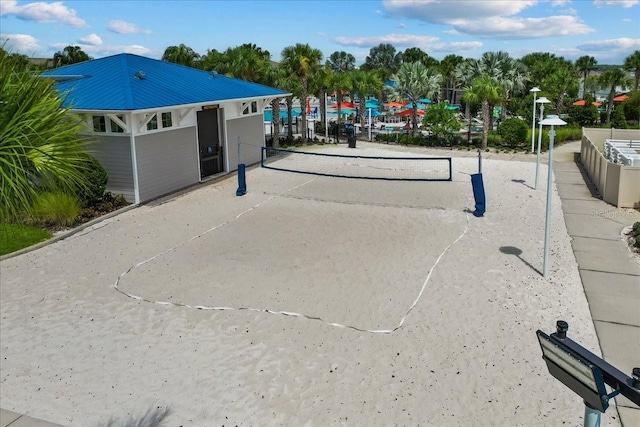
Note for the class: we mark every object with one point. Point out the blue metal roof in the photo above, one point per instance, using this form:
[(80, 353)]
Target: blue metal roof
[(131, 82)]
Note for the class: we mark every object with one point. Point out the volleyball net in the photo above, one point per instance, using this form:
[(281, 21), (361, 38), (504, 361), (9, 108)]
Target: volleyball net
[(419, 168)]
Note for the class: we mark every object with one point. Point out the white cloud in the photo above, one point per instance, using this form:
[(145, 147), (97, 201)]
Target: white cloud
[(123, 27), (98, 51), (523, 28), (490, 19), (42, 12), (20, 43), (627, 20), (398, 40), (426, 43), (622, 43), (441, 12), (455, 46), (91, 39), (400, 25), (624, 3)]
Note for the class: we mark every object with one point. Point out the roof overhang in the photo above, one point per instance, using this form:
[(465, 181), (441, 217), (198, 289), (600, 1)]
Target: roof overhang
[(192, 105)]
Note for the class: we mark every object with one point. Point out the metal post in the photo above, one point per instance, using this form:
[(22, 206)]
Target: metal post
[(479, 160), (535, 186), (591, 416), (533, 120), (547, 222), (370, 124), (326, 123)]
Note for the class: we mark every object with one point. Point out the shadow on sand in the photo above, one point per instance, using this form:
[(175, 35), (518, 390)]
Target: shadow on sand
[(154, 417), (512, 250)]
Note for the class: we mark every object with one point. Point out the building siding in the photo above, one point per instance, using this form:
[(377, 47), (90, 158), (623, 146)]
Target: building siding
[(114, 153), (250, 130), (167, 161)]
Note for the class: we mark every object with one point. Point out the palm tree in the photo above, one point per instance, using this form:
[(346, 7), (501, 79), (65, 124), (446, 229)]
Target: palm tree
[(40, 146), (340, 83), (447, 69), (213, 61), (275, 77), (486, 91), (507, 72), (182, 55), (414, 81), (611, 79), (466, 72), (592, 85), (383, 58), (632, 62), (69, 55), (560, 83), (585, 64), (364, 83), (415, 54), (341, 61), (301, 62), (247, 62)]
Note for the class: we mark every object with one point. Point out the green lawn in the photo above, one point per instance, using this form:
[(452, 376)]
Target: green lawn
[(15, 237)]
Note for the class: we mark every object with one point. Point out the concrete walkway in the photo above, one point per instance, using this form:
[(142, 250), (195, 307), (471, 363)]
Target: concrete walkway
[(610, 273), (8, 418)]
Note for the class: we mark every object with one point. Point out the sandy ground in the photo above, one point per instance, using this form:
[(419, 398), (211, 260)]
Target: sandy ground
[(290, 280)]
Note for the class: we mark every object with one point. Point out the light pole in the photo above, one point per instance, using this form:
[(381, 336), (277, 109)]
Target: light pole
[(549, 121), (543, 100), (535, 91), (326, 124)]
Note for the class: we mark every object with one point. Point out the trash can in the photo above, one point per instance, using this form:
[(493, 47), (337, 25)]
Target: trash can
[(351, 138)]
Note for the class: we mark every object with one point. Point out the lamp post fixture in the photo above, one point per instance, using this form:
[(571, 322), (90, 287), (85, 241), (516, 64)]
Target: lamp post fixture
[(535, 91), (549, 121), (543, 100)]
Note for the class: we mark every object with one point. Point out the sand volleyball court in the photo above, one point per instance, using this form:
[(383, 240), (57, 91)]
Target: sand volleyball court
[(311, 300)]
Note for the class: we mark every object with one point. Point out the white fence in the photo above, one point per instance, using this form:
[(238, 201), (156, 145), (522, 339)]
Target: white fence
[(617, 180)]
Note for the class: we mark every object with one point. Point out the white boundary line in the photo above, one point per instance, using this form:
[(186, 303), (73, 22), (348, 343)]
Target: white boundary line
[(284, 313)]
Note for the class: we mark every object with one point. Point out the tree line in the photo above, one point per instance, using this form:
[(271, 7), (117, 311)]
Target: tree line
[(495, 79)]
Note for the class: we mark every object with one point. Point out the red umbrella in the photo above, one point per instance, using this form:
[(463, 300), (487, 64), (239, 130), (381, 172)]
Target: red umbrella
[(620, 98), (343, 104), (308, 106), (582, 102), (409, 112), (394, 104)]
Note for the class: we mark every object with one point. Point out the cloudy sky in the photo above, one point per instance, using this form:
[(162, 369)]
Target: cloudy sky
[(609, 30)]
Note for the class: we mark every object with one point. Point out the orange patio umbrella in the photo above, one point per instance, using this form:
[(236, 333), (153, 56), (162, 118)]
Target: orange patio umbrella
[(409, 112), (620, 98), (394, 104), (582, 102), (343, 104)]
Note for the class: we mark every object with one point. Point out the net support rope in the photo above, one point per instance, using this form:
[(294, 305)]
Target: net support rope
[(116, 285)]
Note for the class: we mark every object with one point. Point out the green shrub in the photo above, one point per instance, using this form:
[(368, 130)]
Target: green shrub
[(618, 120), (57, 209), (95, 182), (513, 131), (494, 139), (583, 115)]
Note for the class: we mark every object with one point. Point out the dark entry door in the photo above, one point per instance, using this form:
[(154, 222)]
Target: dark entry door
[(209, 143)]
